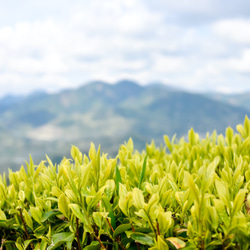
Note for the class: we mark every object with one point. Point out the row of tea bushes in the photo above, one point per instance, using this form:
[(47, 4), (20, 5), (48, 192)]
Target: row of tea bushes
[(188, 194)]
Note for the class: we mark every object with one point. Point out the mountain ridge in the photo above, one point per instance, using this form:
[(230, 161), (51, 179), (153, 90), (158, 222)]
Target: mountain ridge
[(107, 114)]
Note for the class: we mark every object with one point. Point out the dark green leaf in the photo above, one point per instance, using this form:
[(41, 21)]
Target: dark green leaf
[(118, 178), (122, 228), (142, 238), (108, 207), (49, 214)]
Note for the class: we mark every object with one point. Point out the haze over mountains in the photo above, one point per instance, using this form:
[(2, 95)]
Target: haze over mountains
[(106, 114)]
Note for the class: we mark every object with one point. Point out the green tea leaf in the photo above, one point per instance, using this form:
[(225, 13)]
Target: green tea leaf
[(60, 238), (28, 242), (141, 238), (19, 246), (122, 228), (2, 215), (36, 214), (223, 193), (229, 136), (168, 143), (68, 175), (82, 216), (76, 154), (241, 130), (118, 178), (47, 215), (108, 208), (92, 154), (165, 221), (247, 126), (63, 205), (194, 189), (178, 243), (27, 218), (143, 171), (238, 201), (222, 213), (94, 245), (43, 245), (191, 136), (138, 198)]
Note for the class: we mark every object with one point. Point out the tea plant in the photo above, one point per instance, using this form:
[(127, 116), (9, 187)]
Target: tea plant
[(190, 194)]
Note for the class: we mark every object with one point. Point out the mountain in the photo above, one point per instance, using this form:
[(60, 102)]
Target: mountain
[(240, 99), (9, 100), (106, 114)]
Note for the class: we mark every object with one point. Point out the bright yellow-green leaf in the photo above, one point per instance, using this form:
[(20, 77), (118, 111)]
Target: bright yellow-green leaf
[(222, 213), (168, 143), (138, 198), (63, 205), (223, 193), (238, 201), (213, 217), (82, 216), (69, 177), (190, 231), (40, 203), (151, 207), (76, 154), (71, 195), (56, 191), (191, 136), (165, 221), (36, 214), (19, 246), (126, 202), (247, 126), (161, 243), (2, 215), (21, 195), (92, 153), (241, 130), (12, 193), (194, 189), (229, 136), (100, 218), (27, 218), (85, 172)]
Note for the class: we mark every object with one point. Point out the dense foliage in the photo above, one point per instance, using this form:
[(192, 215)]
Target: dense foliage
[(190, 194)]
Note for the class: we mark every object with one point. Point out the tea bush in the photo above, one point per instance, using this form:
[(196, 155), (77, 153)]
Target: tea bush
[(188, 194)]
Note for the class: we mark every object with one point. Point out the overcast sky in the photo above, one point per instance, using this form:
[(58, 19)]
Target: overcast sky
[(199, 45)]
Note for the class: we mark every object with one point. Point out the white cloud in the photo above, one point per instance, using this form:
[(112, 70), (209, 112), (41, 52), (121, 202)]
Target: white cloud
[(242, 64), (67, 43), (236, 30), (168, 64)]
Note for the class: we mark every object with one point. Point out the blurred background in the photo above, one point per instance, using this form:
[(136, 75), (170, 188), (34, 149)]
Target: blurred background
[(76, 71)]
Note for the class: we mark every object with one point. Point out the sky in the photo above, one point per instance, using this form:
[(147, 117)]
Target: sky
[(197, 45)]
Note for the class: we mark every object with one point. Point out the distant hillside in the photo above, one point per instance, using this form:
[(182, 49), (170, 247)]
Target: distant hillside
[(106, 114), (240, 100)]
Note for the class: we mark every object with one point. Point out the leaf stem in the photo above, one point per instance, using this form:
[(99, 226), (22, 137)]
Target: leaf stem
[(112, 229), (100, 242), (77, 234), (157, 226), (133, 229), (118, 238), (24, 224), (25, 228)]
